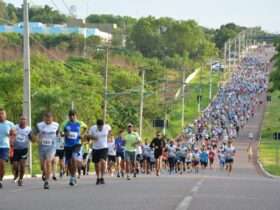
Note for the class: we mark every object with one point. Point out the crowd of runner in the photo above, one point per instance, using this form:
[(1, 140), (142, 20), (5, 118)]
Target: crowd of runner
[(72, 146)]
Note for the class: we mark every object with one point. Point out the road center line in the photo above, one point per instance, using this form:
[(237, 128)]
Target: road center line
[(185, 203)]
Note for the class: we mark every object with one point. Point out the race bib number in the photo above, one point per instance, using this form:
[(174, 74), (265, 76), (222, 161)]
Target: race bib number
[(46, 142), (72, 135), (20, 138)]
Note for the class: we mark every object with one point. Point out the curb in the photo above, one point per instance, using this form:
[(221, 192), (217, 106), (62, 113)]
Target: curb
[(269, 175)]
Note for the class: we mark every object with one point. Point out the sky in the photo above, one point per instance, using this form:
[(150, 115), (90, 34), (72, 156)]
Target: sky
[(209, 13)]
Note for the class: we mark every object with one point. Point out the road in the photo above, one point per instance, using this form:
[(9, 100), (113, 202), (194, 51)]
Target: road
[(246, 189)]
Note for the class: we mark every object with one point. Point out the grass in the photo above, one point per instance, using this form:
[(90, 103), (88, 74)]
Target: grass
[(191, 105), (269, 149)]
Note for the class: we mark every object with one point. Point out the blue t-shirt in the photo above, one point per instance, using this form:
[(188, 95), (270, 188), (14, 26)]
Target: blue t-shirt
[(119, 142), (5, 128), (204, 156), (72, 131)]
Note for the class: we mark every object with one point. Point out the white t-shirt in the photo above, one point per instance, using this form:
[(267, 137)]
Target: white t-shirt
[(22, 137), (111, 148), (230, 152), (101, 137), (48, 134), (171, 150), (139, 150)]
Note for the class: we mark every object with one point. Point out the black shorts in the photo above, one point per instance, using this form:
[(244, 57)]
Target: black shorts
[(85, 156), (112, 158), (20, 154), (60, 154), (99, 154), (69, 151), (121, 155), (158, 153), (230, 160), (139, 157), (146, 157), (204, 163), (181, 160)]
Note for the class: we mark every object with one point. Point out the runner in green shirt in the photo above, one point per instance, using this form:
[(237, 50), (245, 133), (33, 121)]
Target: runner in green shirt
[(132, 140)]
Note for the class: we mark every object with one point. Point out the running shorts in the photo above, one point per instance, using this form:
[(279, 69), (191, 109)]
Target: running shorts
[(59, 153), (112, 158), (129, 156), (20, 154), (4, 154), (99, 154), (47, 153)]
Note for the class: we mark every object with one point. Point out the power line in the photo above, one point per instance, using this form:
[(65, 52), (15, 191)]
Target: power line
[(55, 5), (66, 6)]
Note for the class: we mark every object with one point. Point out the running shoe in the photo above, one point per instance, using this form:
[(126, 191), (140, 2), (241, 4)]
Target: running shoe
[(20, 183), (46, 185), (102, 181), (98, 181)]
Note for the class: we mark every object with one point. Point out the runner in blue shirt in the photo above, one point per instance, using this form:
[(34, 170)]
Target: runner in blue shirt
[(119, 142), (72, 130), (203, 158), (6, 131)]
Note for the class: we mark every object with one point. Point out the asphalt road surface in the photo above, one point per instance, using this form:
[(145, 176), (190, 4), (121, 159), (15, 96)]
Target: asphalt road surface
[(246, 189)]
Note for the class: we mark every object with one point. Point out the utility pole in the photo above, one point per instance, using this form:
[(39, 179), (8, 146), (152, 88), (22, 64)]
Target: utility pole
[(72, 105), (26, 75), (239, 48), (142, 103), (225, 55), (165, 103), (85, 41), (235, 51), (106, 85), (210, 83), (229, 55), (200, 91), (183, 98)]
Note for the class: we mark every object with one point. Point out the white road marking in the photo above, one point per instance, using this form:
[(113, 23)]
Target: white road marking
[(185, 203)]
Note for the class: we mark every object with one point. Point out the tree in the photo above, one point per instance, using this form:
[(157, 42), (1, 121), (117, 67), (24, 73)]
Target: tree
[(225, 33)]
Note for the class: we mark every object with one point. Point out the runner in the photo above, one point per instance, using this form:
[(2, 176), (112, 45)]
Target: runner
[(21, 144), (111, 155), (47, 133), (196, 159), (119, 142), (229, 156), (189, 160), (78, 157), (86, 156), (158, 144), (203, 157), (59, 158), (132, 140), (6, 132), (250, 151), (146, 156), (171, 148), (72, 130), (100, 134), (211, 156)]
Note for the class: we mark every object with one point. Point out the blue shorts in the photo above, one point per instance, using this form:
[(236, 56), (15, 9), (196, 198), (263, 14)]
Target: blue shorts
[(4, 154)]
